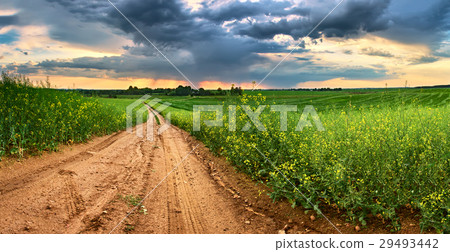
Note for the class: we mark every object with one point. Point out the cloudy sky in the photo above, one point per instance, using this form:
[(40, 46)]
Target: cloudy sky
[(363, 43)]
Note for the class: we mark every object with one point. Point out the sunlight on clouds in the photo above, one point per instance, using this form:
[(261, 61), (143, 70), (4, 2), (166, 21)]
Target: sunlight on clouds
[(416, 75), (35, 44), (227, 85), (402, 53), (354, 52), (8, 12), (152, 83), (401, 61), (214, 85), (284, 39), (194, 4), (436, 73)]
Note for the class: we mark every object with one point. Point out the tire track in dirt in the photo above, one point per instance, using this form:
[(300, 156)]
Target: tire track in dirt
[(21, 181), (58, 194), (74, 201), (195, 202), (184, 213)]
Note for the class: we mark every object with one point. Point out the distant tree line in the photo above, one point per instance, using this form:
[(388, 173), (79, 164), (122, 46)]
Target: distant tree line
[(187, 90), (179, 91), (305, 89), (435, 86), (326, 89)]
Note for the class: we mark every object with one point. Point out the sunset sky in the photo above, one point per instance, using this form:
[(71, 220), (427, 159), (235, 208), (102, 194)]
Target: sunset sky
[(363, 43)]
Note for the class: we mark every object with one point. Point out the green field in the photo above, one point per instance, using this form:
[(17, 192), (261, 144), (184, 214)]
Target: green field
[(381, 151), (330, 99)]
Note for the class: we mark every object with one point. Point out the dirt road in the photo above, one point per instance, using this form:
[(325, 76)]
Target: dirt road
[(90, 188)]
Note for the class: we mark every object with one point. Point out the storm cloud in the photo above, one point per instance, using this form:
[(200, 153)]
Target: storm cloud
[(8, 20), (351, 18), (428, 24), (227, 41)]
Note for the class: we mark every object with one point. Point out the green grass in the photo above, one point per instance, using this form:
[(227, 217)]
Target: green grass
[(382, 151), (328, 99), (33, 120), (123, 97), (131, 200)]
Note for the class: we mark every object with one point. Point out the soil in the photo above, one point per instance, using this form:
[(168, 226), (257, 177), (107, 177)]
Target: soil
[(92, 187)]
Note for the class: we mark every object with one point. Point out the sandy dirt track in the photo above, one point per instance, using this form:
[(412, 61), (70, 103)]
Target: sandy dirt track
[(82, 189)]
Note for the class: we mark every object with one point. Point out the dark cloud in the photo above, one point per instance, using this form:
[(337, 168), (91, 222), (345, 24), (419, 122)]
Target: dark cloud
[(443, 54), (429, 24), (326, 51), (374, 52), (215, 52), (164, 22), (242, 10), (349, 19), (424, 60), (8, 20), (434, 17), (348, 52), (356, 16), (26, 68), (302, 58), (268, 30), (87, 10), (75, 21)]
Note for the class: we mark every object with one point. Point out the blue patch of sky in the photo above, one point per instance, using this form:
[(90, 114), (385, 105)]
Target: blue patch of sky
[(9, 37)]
